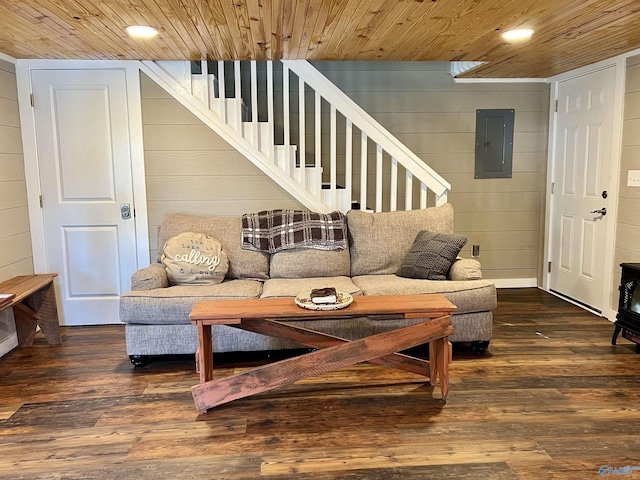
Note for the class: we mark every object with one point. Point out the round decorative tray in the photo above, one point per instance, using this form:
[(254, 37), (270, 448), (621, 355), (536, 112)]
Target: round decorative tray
[(304, 300)]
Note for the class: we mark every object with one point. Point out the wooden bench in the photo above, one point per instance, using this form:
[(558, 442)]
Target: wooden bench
[(34, 305)]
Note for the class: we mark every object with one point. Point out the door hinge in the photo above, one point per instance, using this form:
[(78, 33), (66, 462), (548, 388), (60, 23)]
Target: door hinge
[(31, 99), (41, 203), (556, 106), (553, 188), (549, 267)]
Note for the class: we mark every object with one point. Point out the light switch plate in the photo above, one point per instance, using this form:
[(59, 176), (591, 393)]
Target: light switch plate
[(633, 178)]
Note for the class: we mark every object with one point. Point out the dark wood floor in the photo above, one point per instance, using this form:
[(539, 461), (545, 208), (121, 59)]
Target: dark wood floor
[(552, 400)]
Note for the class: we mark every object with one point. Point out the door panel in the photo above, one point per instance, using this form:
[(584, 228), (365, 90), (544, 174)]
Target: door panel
[(592, 167), (578, 236), (566, 242), (82, 136), (80, 261), (588, 249), (569, 168), (77, 109)]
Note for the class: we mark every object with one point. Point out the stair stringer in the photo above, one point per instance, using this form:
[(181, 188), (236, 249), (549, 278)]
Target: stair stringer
[(231, 136)]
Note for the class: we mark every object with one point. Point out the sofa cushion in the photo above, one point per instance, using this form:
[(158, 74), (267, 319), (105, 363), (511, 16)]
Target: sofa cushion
[(282, 287), (228, 231), (431, 255), (172, 306), (310, 262), (468, 296), (194, 259), (380, 241)]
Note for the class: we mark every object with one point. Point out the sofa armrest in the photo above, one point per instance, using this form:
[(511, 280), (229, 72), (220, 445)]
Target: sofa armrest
[(465, 269), (149, 278)]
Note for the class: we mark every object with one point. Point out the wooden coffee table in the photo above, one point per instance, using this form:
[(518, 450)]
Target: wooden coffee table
[(265, 316)]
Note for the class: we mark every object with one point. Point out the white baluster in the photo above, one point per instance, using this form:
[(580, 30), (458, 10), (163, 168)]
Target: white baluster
[(254, 103), (222, 94), (378, 178), (363, 171), (408, 191), (318, 132), (334, 162), (287, 126), (393, 206), (270, 114), (205, 81), (348, 158), (423, 195), (302, 154), (238, 96)]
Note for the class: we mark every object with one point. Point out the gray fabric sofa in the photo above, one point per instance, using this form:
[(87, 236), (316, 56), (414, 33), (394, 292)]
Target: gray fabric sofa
[(157, 314)]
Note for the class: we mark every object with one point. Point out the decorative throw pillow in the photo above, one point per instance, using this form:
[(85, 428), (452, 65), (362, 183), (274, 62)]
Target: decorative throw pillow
[(194, 259), (431, 255)]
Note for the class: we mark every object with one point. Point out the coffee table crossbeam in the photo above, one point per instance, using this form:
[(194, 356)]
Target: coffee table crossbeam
[(311, 338)]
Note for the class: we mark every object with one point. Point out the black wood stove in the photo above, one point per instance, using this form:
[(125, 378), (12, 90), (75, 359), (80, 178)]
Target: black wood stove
[(628, 318)]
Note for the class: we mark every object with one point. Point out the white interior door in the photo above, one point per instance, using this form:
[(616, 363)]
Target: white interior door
[(581, 178), (84, 158)]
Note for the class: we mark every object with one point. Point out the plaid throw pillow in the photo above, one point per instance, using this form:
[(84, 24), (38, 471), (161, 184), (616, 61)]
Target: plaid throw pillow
[(431, 255)]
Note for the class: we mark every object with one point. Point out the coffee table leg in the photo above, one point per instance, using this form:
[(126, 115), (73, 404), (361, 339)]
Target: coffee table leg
[(205, 353), (439, 359)]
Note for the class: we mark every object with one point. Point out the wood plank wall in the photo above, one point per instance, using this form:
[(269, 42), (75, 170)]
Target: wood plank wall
[(435, 117), (190, 169), (628, 225), (15, 241), (421, 105)]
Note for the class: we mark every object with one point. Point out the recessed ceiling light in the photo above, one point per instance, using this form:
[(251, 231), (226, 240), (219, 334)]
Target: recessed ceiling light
[(518, 34), (141, 31)]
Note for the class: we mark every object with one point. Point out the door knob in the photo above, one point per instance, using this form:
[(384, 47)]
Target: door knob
[(602, 211)]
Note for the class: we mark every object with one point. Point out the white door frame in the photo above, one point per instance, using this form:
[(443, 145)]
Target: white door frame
[(32, 171), (619, 63)]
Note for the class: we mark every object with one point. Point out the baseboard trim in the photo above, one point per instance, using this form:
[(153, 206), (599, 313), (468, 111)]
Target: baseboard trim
[(8, 344), (515, 282), (607, 313)]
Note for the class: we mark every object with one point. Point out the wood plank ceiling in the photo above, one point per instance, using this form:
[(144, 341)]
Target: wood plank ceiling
[(569, 33)]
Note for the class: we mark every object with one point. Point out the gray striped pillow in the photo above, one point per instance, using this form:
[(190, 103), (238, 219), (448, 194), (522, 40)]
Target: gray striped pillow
[(431, 255)]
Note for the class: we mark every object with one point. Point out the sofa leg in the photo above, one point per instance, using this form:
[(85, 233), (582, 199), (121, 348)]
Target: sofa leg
[(140, 361), (480, 347)]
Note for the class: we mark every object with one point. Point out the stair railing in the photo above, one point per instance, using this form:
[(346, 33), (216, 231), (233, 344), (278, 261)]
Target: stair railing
[(239, 94), (385, 144)]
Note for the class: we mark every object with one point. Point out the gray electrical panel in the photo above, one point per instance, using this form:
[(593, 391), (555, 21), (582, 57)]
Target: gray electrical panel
[(494, 143)]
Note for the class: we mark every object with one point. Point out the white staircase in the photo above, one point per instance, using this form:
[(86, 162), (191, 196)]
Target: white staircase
[(299, 129)]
